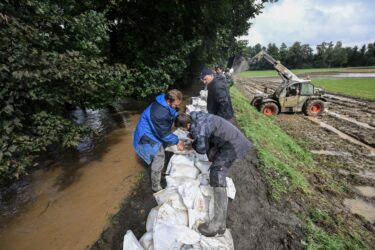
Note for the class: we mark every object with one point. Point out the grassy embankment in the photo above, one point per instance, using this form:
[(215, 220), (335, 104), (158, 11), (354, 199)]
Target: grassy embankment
[(289, 171)]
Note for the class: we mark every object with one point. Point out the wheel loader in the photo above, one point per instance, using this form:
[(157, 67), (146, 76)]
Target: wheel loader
[(293, 95)]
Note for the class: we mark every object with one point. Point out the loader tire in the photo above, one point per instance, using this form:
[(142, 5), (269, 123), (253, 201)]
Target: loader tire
[(256, 102), (269, 108), (314, 108)]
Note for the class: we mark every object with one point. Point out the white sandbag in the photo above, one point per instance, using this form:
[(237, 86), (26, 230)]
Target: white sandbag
[(204, 179), (184, 170), (177, 159), (208, 193), (151, 218), (222, 242), (168, 236), (231, 189), (173, 149), (203, 166), (177, 181), (201, 157), (170, 195), (188, 191), (131, 242), (168, 214), (197, 205), (146, 241)]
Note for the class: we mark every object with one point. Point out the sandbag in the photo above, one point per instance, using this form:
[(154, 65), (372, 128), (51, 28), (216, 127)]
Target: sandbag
[(131, 242), (146, 241), (168, 236), (169, 195)]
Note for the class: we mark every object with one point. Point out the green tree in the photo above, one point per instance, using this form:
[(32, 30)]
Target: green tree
[(339, 55), (283, 52), (51, 56)]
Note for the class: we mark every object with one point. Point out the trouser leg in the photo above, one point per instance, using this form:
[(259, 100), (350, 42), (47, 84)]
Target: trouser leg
[(156, 169)]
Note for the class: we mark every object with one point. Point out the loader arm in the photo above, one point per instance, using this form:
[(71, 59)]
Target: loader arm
[(283, 71)]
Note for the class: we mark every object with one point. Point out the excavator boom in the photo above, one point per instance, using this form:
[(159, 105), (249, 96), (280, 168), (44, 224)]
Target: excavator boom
[(285, 74)]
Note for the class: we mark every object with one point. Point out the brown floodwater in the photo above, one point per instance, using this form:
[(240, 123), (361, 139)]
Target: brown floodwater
[(68, 204), (366, 191), (360, 207)]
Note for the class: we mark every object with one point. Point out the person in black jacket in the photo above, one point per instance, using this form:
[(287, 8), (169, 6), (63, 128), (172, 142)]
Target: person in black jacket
[(223, 143), (220, 71), (218, 98)]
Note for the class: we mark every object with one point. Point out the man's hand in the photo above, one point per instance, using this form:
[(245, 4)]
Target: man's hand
[(181, 145)]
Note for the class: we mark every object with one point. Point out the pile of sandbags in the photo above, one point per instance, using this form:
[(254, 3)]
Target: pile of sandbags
[(185, 203)]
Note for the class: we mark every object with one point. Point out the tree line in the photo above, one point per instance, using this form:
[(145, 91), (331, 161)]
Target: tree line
[(326, 55), (59, 55)]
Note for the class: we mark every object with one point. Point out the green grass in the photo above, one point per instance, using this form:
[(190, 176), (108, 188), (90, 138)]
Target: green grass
[(357, 87), (287, 168), (281, 156), (272, 72)]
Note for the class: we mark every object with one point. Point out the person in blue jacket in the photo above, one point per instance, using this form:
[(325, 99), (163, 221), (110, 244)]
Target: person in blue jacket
[(154, 132)]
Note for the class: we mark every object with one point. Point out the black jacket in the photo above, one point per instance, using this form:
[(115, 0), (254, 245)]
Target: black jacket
[(218, 98), (211, 131)]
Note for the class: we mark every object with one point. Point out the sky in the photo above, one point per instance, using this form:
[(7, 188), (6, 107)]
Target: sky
[(314, 21)]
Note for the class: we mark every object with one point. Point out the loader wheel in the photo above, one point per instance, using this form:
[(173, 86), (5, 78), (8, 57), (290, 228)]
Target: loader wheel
[(314, 108), (269, 108), (256, 102)]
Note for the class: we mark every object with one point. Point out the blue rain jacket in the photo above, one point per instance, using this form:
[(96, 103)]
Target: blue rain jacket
[(154, 129)]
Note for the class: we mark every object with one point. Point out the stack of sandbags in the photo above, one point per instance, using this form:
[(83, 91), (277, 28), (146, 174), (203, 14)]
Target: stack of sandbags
[(184, 204)]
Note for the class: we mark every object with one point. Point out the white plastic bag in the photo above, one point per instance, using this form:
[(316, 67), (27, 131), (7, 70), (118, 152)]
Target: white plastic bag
[(169, 195), (146, 241), (231, 189), (131, 242), (170, 215), (168, 236)]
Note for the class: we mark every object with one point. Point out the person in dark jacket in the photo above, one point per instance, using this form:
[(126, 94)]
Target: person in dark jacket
[(226, 76), (153, 133), (223, 143), (218, 98)]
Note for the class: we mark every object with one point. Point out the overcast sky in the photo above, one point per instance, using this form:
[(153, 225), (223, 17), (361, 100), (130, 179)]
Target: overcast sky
[(314, 21)]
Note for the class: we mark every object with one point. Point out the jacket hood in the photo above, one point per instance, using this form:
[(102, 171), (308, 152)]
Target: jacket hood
[(161, 100)]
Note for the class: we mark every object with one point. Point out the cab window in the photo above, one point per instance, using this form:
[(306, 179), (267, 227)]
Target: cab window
[(307, 89), (293, 90)]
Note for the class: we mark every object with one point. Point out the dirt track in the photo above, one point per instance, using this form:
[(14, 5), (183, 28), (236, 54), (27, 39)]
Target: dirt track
[(352, 159)]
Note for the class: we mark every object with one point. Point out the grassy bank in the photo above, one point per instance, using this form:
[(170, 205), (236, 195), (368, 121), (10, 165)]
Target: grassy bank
[(289, 171), (357, 87)]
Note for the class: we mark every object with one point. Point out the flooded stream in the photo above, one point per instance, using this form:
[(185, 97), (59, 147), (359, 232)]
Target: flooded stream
[(68, 204)]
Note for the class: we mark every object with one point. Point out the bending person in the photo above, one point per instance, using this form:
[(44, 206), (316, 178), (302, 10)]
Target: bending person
[(153, 133), (223, 143)]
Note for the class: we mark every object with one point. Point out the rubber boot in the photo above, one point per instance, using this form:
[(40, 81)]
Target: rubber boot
[(218, 223), (155, 181)]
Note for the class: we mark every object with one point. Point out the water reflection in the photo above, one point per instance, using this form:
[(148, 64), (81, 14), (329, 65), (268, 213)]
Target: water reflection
[(102, 122)]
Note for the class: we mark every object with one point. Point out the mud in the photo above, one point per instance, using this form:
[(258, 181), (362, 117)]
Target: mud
[(353, 118)]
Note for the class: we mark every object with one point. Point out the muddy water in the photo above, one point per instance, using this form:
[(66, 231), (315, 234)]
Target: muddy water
[(357, 206), (68, 205), (365, 191)]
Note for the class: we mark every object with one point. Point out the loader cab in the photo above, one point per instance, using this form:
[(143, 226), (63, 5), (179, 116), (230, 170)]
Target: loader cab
[(293, 96)]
